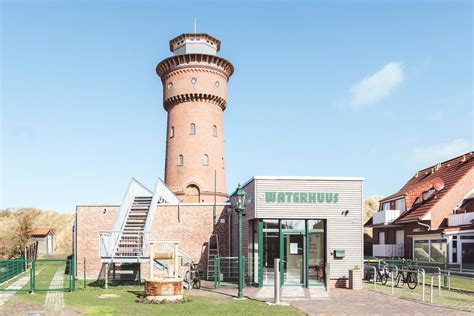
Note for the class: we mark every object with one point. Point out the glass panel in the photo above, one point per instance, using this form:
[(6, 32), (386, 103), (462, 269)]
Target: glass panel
[(467, 237), (270, 224), (293, 265), (271, 247), (400, 205), (315, 224), (467, 256), (422, 250), (316, 251), (455, 252), (292, 224), (438, 251)]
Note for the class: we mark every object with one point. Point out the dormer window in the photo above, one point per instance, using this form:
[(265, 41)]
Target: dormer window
[(400, 205), (385, 206)]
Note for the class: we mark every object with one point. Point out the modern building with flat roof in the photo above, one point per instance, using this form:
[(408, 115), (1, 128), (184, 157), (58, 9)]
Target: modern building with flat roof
[(312, 224)]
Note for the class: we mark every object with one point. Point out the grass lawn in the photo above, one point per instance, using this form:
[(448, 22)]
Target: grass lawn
[(88, 301), (200, 305), (452, 299)]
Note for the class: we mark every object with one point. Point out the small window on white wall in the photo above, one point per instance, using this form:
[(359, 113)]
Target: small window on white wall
[(205, 160), (180, 160), (172, 132), (214, 130), (192, 129)]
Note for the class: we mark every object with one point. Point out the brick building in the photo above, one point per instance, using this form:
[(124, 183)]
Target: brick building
[(431, 218), (190, 205)]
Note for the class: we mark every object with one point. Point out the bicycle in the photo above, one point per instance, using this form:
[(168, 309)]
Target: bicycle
[(192, 278), (410, 278), (382, 273)]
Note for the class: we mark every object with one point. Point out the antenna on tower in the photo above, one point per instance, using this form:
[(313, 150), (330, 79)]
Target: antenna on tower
[(195, 26)]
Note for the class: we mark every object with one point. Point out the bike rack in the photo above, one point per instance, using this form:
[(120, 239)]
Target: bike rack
[(375, 275), (423, 273)]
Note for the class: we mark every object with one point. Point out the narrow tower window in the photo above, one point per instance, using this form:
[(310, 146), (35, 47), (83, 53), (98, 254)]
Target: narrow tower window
[(180, 160), (172, 132), (192, 130), (205, 160), (214, 130)]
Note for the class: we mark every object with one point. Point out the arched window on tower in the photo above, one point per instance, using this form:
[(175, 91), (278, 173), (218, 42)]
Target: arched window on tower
[(192, 129), (205, 160), (172, 132), (180, 160), (192, 194), (214, 130)]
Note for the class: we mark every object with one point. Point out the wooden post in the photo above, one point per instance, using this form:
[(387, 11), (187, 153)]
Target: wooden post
[(176, 260), (151, 261)]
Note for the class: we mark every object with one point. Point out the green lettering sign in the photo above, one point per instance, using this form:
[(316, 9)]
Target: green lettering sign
[(302, 197)]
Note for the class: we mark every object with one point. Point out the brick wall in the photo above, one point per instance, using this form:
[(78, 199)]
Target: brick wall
[(190, 224), (90, 220)]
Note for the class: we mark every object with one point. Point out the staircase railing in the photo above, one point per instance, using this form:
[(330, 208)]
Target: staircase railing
[(134, 189), (110, 245), (161, 195)]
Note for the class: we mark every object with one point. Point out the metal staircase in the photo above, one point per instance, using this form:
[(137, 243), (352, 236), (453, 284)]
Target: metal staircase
[(212, 253), (127, 244)]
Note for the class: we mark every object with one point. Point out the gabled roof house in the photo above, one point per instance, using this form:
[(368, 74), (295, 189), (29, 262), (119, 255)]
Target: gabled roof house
[(427, 218)]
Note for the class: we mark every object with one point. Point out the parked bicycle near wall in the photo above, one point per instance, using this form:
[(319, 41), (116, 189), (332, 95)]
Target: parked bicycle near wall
[(382, 272), (192, 278), (408, 278)]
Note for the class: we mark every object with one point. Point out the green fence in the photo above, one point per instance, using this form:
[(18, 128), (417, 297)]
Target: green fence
[(226, 272), (42, 275), (11, 268)]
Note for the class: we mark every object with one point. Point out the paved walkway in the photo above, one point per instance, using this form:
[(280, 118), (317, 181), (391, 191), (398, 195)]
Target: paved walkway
[(55, 299), (317, 301), (14, 287)]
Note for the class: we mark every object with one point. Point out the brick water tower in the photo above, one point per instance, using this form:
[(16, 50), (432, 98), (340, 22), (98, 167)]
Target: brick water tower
[(195, 97)]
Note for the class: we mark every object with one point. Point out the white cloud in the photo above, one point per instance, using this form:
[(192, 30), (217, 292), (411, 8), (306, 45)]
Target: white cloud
[(425, 156), (377, 86)]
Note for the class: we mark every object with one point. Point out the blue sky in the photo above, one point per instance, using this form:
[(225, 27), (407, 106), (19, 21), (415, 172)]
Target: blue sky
[(346, 88)]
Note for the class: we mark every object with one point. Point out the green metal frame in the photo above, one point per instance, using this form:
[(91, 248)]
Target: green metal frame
[(281, 233), (217, 273), (32, 275), (11, 268)]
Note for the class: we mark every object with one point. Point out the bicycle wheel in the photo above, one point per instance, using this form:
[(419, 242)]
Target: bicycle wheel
[(383, 279), (196, 284), (412, 280), (197, 280), (187, 280), (397, 279)]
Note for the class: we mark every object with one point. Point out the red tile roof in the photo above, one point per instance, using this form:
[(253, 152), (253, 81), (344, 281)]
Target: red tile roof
[(450, 172), (41, 231)]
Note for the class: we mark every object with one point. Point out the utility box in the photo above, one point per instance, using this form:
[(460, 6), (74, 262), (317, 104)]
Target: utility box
[(339, 253)]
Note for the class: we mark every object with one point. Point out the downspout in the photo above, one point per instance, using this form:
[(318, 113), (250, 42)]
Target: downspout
[(423, 224)]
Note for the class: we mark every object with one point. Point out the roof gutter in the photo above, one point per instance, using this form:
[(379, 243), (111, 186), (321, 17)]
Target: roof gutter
[(423, 224)]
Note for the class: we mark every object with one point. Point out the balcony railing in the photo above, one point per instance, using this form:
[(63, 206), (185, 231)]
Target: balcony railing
[(385, 217), (388, 250), (461, 219)]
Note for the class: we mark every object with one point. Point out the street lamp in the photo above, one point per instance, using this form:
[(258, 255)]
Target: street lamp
[(239, 201)]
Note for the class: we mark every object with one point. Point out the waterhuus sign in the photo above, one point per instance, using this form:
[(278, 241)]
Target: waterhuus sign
[(301, 197)]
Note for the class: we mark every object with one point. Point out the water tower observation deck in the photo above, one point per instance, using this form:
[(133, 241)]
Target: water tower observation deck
[(195, 43)]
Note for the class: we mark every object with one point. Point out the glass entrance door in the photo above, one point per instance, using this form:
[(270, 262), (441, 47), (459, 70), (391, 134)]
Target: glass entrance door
[(294, 261)]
